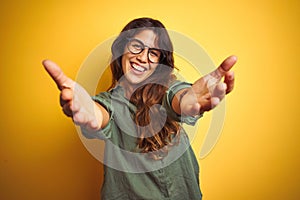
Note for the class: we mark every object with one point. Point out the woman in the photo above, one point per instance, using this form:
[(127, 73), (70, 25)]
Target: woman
[(147, 152)]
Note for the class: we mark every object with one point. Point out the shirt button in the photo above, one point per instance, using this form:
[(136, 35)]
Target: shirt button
[(166, 194)]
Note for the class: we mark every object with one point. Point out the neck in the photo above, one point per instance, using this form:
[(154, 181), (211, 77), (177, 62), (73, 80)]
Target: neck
[(129, 88)]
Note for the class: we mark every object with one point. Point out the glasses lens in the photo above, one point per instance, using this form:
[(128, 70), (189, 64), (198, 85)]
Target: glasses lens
[(154, 55), (135, 46)]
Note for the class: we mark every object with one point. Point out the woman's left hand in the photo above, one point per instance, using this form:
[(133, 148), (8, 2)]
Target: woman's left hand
[(208, 91)]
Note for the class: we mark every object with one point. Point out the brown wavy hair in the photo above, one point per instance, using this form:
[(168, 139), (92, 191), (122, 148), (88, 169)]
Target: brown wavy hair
[(157, 135)]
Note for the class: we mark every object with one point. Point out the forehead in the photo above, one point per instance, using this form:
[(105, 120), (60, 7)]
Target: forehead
[(148, 37)]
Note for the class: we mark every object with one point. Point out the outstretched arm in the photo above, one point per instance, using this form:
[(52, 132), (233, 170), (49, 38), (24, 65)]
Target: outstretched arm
[(207, 92), (75, 101)]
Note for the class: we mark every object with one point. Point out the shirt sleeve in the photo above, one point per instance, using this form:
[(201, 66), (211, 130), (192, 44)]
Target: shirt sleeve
[(167, 104), (104, 100)]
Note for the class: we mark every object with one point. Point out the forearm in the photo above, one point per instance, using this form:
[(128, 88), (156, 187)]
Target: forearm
[(103, 116)]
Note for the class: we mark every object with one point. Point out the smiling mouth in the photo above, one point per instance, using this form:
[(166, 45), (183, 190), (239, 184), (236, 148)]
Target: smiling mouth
[(138, 67)]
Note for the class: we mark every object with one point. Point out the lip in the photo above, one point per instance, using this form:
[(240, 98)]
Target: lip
[(137, 69)]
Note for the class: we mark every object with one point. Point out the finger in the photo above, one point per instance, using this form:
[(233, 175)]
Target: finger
[(192, 110), (67, 109), (229, 81), (65, 96), (225, 67), (227, 64), (61, 80), (76, 106), (211, 100), (79, 118), (94, 124), (214, 102), (87, 121), (219, 91), (205, 105)]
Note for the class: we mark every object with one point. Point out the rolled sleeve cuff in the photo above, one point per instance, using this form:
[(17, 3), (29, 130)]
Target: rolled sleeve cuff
[(167, 103)]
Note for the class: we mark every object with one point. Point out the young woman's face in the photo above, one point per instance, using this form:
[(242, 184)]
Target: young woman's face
[(136, 66)]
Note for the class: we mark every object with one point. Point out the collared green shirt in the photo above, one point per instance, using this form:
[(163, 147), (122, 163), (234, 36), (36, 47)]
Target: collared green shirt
[(131, 175)]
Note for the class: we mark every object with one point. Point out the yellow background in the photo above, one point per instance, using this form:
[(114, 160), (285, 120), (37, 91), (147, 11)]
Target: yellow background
[(257, 156)]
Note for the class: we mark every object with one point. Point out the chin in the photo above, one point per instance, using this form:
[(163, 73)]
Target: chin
[(135, 80)]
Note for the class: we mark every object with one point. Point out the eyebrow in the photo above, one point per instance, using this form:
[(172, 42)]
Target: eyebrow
[(152, 47)]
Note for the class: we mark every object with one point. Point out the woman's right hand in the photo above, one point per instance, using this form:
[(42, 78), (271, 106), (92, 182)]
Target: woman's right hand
[(74, 99)]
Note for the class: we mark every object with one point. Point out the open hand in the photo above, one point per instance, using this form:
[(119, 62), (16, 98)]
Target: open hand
[(208, 91), (74, 99)]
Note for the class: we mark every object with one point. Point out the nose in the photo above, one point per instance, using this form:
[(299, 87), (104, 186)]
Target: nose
[(143, 56)]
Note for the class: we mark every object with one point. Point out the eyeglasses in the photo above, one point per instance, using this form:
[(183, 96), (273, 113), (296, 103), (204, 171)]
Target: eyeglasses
[(136, 46)]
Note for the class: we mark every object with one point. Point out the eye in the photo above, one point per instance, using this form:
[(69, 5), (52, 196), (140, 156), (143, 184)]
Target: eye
[(137, 46), (154, 53)]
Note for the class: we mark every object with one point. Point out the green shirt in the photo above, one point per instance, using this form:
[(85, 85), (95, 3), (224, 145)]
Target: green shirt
[(129, 174)]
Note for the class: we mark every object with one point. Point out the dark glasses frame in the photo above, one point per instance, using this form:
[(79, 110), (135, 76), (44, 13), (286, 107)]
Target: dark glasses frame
[(142, 47)]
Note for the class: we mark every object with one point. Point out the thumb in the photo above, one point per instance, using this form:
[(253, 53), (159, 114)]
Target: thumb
[(215, 76), (225, 66), (61, 80)]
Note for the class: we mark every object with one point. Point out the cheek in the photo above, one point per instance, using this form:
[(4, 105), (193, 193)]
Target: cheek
[(125, 58), (154, 67)]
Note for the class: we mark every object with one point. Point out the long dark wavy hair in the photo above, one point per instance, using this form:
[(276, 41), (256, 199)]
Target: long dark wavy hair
[(150, 140)]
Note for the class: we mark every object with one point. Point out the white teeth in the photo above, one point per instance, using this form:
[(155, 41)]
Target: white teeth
[(139, 68)]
